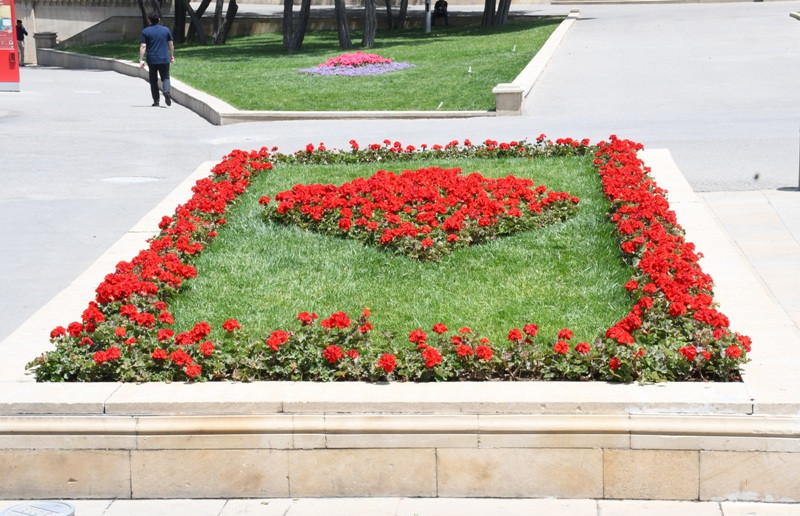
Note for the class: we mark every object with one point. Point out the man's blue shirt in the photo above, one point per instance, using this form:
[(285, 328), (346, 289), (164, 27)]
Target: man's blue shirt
[(156, 37)]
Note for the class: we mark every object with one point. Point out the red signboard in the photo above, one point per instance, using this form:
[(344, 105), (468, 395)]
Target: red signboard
[(9, 65)]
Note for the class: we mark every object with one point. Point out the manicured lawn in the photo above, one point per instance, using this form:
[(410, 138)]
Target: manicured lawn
[(255, 73), (567, 274)]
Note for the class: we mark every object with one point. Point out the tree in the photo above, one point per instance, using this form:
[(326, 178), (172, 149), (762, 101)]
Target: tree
[(388, 4), (223, 27), (196, 27), (342, 26), (293, 36), (401, 16), (501, 17), (182, 8), (488, 12), (370, 24)]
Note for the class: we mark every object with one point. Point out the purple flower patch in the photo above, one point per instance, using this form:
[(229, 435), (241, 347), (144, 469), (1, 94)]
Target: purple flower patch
[(357, 71)]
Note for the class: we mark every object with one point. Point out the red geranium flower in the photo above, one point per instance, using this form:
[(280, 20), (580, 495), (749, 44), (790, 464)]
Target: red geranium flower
[(387, 362), (230, 325), (333, 354)]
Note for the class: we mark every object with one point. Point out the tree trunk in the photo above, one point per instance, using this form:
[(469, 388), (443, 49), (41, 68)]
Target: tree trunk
[(342, 27), (389, 13), (370, 24), (218, 16), (502, 12), (197, 28), (145, 21), (288, 7), (196, 23), (302, 22), (401, 16), (222, 35), (179, 23), (488, 12)]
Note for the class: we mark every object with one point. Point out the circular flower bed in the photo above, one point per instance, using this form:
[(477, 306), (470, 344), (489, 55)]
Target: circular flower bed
[(356, 64), (673, 331)]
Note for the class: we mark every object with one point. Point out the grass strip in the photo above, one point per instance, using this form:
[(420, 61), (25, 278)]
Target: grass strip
[(454, 67)]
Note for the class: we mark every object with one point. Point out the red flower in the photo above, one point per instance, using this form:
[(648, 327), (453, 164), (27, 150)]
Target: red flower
[(277, 338), (432, 357), (514, 335), (336, 320), (427, 242), (158, 354), (613, 363), (387, 362), (193, 370), (733, 352), (207, 348), (333, 354), (530, 329), (74, 329), (345, 224), (565, 334), (583, 348), (463, 350), (180, 358), (230, 325), (561, 347), (306, 318), (417, 336), (439, 328), (164, 334), (689, 352), (353, 353), (130, 342), (465, 329), (58, 331), (484, 353), (745, 342), (86, 341)]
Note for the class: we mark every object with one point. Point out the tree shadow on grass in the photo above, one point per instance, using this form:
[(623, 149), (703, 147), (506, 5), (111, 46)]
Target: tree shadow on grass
[(326, 42)]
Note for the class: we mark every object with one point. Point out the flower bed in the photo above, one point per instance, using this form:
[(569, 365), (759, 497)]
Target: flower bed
[(423, 214), (673, 331), (355, 65)]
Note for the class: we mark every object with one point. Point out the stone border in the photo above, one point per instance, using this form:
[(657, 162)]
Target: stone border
[(509, 98), (684, 441)]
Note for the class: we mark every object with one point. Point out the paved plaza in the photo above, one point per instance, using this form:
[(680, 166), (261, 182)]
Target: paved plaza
[(86, 157)]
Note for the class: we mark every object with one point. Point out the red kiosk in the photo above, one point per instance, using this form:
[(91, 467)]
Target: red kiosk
[(9, 65)]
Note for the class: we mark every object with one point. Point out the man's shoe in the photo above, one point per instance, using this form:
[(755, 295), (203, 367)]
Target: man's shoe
[(167, 99), (154, 104)]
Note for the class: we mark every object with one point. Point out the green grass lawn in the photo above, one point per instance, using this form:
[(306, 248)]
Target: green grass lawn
[(255, 73), (263, 273)]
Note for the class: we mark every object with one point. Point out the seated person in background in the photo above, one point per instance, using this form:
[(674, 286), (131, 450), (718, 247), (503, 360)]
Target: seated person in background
[(439, 10)]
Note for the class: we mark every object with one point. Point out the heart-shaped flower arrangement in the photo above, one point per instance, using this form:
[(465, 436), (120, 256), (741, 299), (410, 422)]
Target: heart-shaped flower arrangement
[(423, 214)]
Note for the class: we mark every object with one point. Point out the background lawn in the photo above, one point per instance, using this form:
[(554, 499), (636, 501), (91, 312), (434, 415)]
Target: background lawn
[(255, 73), (565, 275)]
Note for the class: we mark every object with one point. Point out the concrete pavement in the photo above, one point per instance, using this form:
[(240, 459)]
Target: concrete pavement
[(420, 507)]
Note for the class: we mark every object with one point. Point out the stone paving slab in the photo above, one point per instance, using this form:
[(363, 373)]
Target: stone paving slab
[(419, 507)]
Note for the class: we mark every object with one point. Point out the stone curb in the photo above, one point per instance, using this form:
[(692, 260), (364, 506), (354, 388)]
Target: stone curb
[(509, 97)]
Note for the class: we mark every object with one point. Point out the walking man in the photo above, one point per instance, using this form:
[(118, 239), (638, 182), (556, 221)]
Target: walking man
[(21, 33), (157, 45)]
